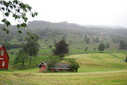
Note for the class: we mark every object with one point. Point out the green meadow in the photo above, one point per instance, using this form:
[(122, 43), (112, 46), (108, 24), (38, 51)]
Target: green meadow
[(95, 69), (94, 78)]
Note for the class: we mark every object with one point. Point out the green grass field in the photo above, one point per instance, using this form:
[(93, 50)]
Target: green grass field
[(94, 78), (95, 69)]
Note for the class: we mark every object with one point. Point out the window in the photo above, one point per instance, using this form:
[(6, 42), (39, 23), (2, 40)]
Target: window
[(1, 59), (2, 52), (3, 63)]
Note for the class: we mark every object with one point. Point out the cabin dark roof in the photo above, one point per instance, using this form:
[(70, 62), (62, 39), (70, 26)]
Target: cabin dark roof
[(57, 65), (61, 66), (43, 63)]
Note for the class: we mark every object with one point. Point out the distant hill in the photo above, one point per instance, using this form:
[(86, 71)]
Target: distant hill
[(77, 36), (75, 27)]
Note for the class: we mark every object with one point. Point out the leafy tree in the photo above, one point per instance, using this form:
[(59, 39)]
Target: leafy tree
[(88, 40), (22, 57), (122, 45), (101, 47), (18, 11), (96, 40), (94, 49), (85, 37), (61, 48), (86, 48), (31, 47), (50, 46), (107, 45), (73, 64)]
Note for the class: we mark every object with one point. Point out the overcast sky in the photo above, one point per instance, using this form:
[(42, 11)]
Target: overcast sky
[(84, 12)]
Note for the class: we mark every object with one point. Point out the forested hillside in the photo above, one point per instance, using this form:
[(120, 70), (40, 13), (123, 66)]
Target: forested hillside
[(77, 36)]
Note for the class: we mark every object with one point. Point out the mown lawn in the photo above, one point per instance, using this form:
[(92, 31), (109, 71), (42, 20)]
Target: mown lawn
[(92, 78)]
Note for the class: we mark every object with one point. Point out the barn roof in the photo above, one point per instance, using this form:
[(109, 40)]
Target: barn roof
[(57, 65), (61, 66)]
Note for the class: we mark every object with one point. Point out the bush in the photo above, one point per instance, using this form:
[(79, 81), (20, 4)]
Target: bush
[(73, 64)]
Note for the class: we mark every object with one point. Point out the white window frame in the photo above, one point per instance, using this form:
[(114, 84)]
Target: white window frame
[(3, 63), (1, 58)]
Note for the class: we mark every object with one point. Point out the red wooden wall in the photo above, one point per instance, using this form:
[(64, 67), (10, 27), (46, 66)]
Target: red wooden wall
[(4, 58)]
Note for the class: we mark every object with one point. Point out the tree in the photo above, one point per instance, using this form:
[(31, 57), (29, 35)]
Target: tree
[(73, 64), (101, 47), (22, 57), (18, 11), (88, 40), (86, 48), (94, 49), (122, 45), (31, 47), (107, 45), (96, 40), (61, 48), (85, 37)]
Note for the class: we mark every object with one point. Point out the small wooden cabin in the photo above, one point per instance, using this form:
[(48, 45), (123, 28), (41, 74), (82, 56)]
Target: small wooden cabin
[(57, 67), (43, 67), (4, 58)]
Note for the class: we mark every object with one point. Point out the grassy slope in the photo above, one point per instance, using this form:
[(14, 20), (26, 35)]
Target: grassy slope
[(100, 62), (95, 69)]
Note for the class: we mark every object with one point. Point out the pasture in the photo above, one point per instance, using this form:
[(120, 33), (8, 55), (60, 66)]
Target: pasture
[(92, 78), (95, 69)]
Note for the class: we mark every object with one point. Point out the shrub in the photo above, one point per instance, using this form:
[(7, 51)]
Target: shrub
[(73, 64)]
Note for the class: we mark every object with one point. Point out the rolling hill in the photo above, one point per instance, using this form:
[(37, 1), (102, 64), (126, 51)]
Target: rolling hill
[(77, 36)]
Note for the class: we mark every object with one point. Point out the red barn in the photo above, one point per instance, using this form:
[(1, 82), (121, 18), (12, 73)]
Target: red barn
[(4, 58), (57, 67)]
